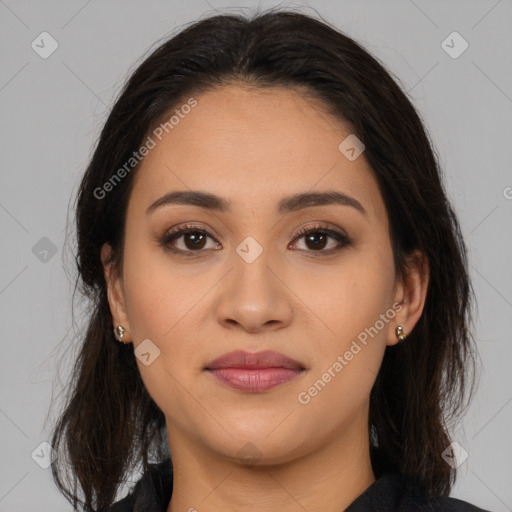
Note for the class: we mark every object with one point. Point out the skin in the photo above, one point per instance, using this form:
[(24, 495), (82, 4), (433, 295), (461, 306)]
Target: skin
[(254, 147)]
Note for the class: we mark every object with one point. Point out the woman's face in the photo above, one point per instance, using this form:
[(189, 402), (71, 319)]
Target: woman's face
[(254, 283)]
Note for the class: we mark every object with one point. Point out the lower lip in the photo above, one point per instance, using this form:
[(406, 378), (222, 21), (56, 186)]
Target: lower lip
[(254, 380)]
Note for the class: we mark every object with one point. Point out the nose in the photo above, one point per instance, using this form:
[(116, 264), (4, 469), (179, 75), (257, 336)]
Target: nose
[(254, 296)]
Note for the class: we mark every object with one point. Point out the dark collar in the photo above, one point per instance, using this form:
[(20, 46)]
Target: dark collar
[(391, 492)]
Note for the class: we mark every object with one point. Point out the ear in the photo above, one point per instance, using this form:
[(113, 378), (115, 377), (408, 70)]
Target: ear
[(410, 293), (115, 292)]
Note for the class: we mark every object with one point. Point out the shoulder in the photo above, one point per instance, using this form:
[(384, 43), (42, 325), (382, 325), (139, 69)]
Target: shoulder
[(456, 505), (151, 492), (124, 505), (394, 492), (415, 500)]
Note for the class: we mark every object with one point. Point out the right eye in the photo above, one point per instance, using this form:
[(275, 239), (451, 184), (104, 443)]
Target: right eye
[(193, 243)]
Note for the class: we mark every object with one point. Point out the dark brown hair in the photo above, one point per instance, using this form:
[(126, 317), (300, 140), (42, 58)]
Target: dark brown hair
[(109, 422)]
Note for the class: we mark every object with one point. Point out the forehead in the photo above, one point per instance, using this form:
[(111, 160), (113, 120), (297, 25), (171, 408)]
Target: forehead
[(253, 146)]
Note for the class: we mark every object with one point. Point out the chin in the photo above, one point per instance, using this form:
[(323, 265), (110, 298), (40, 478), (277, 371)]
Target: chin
[(261, 453)]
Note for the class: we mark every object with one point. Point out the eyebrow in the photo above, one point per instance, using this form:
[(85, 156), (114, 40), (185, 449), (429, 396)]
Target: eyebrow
[(288, 204)]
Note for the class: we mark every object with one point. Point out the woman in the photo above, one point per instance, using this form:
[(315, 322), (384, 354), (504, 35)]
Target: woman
[(263, 229)]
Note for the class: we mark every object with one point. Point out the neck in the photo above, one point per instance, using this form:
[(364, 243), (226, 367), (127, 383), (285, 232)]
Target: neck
[(327, 479)]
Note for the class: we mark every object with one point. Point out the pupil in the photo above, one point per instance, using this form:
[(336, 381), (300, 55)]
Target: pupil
[(311, 238), (196, 238)]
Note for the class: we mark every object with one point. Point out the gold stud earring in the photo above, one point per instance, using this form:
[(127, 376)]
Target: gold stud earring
[(400, 334), (119, 333)]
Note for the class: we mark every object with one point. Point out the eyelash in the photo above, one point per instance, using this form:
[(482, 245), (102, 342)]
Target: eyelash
[(341, 238)]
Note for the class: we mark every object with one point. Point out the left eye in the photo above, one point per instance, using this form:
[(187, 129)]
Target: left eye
[(315, 238)]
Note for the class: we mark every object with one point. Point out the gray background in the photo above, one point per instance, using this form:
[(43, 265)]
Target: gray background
[(52, 111)]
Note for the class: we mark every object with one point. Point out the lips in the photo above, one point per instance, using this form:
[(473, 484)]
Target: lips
[(254, 372), (254, 360)]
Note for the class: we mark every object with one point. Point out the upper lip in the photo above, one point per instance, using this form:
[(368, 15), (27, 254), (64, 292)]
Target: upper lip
[(253, 360)]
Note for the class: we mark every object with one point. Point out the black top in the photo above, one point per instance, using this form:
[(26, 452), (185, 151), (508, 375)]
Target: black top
[(391, 492)]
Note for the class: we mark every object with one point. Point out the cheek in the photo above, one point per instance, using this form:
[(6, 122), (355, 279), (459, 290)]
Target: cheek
[(347, 304), (157, 294), (162, 301), (350, 339), (349, 297), (159, 308)]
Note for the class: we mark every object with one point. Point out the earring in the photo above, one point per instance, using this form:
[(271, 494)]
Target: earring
[(119, 333), (400, 334)]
